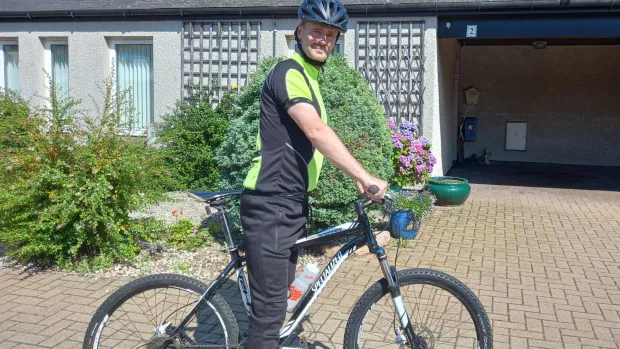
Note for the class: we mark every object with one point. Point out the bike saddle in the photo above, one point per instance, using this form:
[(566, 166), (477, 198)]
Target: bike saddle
[(209, 196)]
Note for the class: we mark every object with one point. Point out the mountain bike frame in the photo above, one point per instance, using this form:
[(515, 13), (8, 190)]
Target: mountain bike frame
[(360, 227)]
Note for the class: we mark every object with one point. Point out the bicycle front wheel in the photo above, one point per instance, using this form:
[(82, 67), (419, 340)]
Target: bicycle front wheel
[(443, 312), (142, 313)]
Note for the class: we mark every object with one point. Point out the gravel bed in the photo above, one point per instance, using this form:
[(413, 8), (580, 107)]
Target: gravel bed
[(205, 263), (180, 203)]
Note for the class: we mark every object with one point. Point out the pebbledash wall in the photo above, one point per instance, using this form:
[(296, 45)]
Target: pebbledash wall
[(89, 57), (448, 58)]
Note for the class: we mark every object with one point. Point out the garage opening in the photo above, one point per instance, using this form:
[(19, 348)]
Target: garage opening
[(538, 103), (545, 109), (541, 102)]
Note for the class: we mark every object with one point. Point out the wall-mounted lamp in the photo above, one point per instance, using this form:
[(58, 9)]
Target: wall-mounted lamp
[(472, 96), (539, 44)]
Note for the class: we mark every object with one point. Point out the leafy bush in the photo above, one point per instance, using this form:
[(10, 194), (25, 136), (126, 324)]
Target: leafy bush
[(16, 125), (185, 235), (359, 120), (71, 183), (353, 113), (235, 153), (189, 137)]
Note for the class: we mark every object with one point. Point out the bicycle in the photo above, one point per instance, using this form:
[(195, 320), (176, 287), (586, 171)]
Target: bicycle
[(205, 303)]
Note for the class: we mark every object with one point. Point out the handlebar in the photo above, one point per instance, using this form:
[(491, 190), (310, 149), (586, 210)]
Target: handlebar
[(364, 203)]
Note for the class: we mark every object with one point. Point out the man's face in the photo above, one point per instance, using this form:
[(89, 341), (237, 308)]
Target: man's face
[(317, 40)]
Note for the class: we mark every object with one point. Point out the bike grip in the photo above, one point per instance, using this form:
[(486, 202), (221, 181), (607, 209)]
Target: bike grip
[(374, 189)]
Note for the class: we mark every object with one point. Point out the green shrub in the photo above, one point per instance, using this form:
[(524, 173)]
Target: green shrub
[(69, 187), (16, 125), (359, 120), (187, 236), (354, 114), (189, 137), (235, 153)]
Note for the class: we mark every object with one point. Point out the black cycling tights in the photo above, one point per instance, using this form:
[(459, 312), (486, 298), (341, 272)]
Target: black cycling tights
[(271, 226)]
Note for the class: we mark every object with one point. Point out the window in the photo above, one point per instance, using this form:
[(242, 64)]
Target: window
[(9, 65), (339, 48), (57, 67), (132, 64)]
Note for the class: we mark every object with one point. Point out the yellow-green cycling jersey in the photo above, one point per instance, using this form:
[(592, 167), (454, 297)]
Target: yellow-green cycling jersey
[(286, 161)]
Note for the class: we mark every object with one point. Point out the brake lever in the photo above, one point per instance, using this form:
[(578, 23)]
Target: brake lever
[(387, 201)]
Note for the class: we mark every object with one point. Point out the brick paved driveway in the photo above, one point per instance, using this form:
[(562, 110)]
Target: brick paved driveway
[(545, 263)]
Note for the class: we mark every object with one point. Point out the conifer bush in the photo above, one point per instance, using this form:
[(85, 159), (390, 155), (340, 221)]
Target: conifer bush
[(189, 136), (353, 112)]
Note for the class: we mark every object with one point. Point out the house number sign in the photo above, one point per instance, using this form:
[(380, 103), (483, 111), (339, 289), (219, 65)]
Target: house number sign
[(472, 31)]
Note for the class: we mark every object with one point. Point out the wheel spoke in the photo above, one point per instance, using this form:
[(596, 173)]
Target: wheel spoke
[(167, 300)]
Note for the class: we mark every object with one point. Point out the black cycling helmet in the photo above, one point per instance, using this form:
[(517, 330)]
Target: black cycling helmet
[(329, 12)]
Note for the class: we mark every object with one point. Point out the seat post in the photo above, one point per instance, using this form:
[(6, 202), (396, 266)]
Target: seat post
[(218, 200), (231, 244)]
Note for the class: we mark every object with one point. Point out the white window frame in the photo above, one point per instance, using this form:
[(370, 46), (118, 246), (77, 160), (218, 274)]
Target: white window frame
[(113, 64), (47, 58), (292, 44), (113, 57), (2, 72)]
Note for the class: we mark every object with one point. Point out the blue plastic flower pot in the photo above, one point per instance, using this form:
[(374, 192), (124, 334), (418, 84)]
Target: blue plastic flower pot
[(403, 225)]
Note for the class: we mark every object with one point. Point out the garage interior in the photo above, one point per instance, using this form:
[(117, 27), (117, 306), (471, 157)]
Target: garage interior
[(547, 108)]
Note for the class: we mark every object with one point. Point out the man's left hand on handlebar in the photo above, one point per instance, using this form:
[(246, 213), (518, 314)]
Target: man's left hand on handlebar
[(365, 188)]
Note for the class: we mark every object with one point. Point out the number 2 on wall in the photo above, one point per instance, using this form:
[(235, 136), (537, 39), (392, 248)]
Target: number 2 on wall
[(472, 31)]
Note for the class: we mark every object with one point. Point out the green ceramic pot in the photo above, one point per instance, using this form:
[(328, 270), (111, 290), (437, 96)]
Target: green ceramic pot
[(450, 191), (396, 188)]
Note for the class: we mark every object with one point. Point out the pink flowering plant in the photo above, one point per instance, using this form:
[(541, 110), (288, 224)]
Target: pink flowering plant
[(412, 158)]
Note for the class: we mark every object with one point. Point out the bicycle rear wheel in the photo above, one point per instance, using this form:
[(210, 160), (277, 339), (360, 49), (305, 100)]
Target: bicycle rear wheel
[(447, 314), (142, 313)]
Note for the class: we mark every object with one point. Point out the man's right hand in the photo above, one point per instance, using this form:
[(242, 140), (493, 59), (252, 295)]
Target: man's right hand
[(329, 144)]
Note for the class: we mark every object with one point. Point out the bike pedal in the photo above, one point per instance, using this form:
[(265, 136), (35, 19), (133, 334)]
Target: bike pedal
[(303, 343)]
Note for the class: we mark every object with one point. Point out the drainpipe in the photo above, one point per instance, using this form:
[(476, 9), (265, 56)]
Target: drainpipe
[(457, 81), (388, 9), (487, 5), (275, 29), (498, 5), (592, 3)]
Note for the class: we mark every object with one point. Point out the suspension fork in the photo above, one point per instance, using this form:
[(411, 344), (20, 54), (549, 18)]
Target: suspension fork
[(399, 306), (390, 275)]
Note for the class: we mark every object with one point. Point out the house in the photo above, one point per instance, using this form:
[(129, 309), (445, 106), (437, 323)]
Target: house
[(532, 80)]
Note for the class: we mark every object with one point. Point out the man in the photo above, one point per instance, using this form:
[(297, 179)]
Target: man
[(293, 138)]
